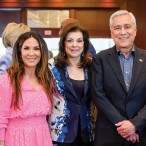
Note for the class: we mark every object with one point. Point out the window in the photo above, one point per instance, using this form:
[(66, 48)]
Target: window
[(46, 18)]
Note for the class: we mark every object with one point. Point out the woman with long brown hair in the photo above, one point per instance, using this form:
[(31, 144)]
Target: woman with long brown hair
[(72, 119), (26, 94)]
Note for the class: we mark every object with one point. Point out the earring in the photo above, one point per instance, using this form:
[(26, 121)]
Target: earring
[(64, 54), (82, 54)]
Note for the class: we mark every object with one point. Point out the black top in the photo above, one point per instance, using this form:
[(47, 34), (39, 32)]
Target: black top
[(78, 86)]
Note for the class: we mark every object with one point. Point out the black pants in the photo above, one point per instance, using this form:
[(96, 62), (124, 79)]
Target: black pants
[(126, 143), (77, 142)]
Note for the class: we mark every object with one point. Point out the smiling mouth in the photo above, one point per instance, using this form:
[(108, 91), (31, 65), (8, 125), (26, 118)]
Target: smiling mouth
[(125, 38), (74, 50), (31, 59)]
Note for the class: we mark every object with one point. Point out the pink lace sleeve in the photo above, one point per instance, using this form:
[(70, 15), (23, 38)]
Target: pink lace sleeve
[(5, 103)]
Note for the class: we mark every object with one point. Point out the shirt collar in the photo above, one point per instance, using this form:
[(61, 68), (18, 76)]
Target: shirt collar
[(132, 51)]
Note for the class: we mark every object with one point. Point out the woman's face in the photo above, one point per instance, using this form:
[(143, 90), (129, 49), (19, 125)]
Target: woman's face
[(74, 44), (30, 53)]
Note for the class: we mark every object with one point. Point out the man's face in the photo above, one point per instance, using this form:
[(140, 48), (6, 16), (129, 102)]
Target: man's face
[(123, 32)]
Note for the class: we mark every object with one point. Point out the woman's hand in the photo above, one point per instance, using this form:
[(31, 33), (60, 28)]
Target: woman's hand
[(2, 142)]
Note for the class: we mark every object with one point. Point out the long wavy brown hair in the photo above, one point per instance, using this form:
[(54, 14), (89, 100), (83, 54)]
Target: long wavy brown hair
[(16, 70)]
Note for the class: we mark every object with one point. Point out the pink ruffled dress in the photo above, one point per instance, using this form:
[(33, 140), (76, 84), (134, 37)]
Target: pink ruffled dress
[(27, 126)]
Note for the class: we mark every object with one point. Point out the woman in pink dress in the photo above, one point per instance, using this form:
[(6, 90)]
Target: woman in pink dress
[(26, 94)]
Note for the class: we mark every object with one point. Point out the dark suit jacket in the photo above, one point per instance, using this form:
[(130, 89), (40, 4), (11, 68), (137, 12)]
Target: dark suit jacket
[(114, 103), (67, 109)]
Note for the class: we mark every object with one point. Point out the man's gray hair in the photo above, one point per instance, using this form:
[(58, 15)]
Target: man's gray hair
[(122, 12)]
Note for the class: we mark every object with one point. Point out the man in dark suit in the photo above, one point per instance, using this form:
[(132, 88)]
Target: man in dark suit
[(119, 87)]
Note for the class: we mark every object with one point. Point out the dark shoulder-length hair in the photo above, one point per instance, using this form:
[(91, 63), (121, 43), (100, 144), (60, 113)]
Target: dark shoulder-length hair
[(16, 70), (61, 58)]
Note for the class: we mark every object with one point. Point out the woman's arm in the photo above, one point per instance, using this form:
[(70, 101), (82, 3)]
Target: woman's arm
[(5, 104)]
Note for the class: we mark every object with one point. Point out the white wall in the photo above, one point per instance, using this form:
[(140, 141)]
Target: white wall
[(2, 48), (98, 43)]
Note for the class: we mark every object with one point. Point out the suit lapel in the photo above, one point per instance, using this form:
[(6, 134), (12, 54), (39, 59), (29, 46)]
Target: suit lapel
[(137, 68), (86, 85), (115, 64), (64, 75)]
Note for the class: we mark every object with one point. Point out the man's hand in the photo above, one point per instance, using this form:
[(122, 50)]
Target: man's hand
[(125, 128), (133, 138)]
